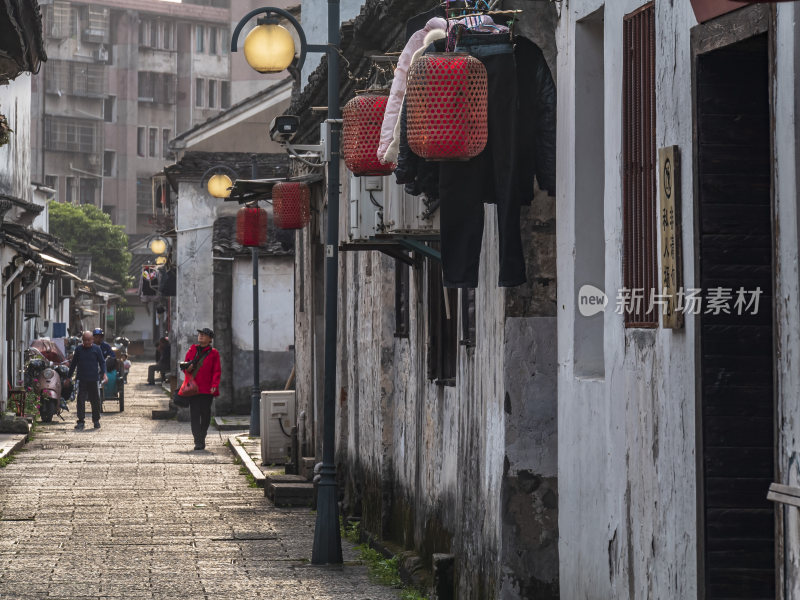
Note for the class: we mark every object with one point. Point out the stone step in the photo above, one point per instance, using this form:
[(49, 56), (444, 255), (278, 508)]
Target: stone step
[(274, 479), (163, 414), (307, 467), (291, 494)]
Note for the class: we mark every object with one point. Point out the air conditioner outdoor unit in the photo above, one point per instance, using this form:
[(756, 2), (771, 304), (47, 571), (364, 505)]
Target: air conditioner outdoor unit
[(277, 419), (67, 287), (31, 304), (407, 214), (366, 207), (100, 55)]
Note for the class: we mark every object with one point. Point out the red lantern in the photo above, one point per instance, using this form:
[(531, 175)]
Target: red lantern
[(361, 133), (251, 226), (291, 205), (446, 102)]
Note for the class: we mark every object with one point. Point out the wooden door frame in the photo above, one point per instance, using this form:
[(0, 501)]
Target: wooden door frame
[(716, 34)]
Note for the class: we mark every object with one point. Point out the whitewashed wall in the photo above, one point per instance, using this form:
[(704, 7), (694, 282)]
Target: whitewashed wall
[(627, 460), (195, 283), (15, 157), (787, 310)]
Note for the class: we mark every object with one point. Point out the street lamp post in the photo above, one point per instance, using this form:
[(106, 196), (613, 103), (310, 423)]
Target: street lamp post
[(267, 49)]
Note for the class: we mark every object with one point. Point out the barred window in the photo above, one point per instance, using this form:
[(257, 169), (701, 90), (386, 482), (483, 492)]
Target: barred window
[(639, 258), (75, 78), (96, 20), (60, 22), (70, 135)]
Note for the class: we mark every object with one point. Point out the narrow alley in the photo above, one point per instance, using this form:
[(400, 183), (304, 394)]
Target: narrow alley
[(131, 511)]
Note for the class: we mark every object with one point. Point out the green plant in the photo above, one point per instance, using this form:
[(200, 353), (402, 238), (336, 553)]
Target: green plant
[(5, 131), (352, 531), (6, 460), (249, 476)]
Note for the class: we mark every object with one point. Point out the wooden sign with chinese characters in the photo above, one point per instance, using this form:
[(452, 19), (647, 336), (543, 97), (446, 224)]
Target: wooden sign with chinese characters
[(669, 193)]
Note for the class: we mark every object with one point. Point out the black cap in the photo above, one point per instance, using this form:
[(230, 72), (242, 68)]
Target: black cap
[(206, 331)]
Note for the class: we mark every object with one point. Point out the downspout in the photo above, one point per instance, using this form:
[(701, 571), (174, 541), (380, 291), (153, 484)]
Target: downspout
[(3, 321)]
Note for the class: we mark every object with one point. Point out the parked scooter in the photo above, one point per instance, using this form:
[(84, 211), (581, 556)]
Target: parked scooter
[(49, 381), (121, 345)]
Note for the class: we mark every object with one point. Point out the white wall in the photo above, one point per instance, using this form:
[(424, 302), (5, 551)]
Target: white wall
[(275, 306), (627, 491), (15, 157), (195, 283)]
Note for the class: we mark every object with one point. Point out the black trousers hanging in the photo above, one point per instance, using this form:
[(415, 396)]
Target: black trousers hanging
[(490, 177)]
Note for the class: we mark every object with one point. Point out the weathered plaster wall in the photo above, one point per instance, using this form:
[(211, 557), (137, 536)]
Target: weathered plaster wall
[(15, 157), (276, 328), (194, 302), (787, 309), (627, 458)]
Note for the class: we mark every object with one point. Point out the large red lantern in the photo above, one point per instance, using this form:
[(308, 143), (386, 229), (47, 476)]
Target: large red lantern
[(446, 102), (362, 118), (251, 226), (291, 205)]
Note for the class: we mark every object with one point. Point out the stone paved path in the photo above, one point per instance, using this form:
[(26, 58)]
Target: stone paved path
[(131, 511)]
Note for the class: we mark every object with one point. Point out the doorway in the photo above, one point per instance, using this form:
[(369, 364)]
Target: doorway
[(736, 350)]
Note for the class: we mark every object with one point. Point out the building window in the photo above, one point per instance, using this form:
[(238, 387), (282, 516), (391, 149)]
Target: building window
[(88, 190), (146, 86), (213, 34), (144, 196), (442, 356), (225, 94), (223, 46), (154, 27), (468, 317), (153, 142), (109, 104), (140, 141), (166, 136), (51, 181), (60, 23), (70, 135), (212, 93), (70, 190), (109, 163), (75, 78), (200, 39), (639, 258), (401, 299), (199, 86), (169, 36)]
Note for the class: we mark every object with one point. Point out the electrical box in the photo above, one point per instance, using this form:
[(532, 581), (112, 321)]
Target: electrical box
[(407, 214), (365, 200), (277, 414)]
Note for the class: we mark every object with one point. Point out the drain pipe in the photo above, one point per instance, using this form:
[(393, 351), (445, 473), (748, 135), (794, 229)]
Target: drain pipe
[(3, 312)]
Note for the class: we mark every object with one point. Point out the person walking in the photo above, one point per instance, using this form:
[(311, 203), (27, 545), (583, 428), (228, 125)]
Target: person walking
[(202, 361), (163, 355), (100, 340), (91, 366)]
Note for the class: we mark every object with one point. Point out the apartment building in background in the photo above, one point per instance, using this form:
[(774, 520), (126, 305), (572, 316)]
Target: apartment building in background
[(123, 78)]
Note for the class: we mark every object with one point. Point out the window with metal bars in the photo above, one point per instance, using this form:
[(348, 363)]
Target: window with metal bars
[(96, 19), (60, 23), (639, 257), (75, 78), (70, 135)]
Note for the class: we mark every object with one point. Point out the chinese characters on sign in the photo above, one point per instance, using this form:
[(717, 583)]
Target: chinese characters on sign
[(670, 225)]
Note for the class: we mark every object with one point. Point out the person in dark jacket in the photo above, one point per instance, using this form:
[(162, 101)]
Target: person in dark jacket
[(100, 340), (163, 356), (203, 364), (91, 366)]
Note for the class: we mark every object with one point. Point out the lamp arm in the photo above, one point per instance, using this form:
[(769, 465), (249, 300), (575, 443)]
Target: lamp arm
[(304, 47)]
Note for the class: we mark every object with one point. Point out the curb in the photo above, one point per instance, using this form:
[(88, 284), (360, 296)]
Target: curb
[(240, 452), (17, 445)]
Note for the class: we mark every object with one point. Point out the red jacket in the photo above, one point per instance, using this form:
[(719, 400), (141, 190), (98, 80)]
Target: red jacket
[(210, 371)]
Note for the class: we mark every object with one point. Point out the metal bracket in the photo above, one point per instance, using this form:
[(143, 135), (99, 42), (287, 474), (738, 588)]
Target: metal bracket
[(395, 251), (420, 247)]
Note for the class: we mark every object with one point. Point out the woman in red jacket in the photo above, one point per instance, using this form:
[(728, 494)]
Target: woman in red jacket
[(206, 370)]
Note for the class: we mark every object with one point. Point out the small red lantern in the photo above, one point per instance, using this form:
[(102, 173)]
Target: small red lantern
[(447, 101), (291, 204), (251, 226), (361, 133)]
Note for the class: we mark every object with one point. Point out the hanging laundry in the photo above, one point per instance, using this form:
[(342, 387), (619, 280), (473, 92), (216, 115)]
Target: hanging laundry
[(398, 89)]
